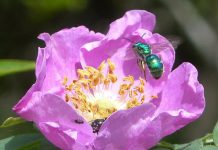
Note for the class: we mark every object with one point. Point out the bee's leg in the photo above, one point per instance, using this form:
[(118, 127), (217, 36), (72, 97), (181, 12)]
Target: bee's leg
[(141, 65), (144, 69)]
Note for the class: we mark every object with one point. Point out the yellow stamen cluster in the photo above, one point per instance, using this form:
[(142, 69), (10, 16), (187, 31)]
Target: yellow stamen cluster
[(91, 94), (136, 94)]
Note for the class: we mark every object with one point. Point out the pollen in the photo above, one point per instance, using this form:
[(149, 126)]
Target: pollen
[(99, 92)]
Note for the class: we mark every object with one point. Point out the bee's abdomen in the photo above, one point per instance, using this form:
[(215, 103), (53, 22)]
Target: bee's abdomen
[(155, 65)]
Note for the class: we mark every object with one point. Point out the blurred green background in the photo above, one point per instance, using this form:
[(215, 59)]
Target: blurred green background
[(194, 22)]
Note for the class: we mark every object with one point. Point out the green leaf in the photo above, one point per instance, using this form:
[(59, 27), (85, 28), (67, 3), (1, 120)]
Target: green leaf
[(14, 126), (163, 146), (11, 121), (26, 142), (210, 147), (181, 146), (20, 141), (208, 139), (195, 145), (18, 134), (215, 134), (9, 66), (32, 146), (22, 128)]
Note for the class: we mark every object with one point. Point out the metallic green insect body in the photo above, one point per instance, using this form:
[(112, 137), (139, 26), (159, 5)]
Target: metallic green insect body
[(141, 49), (154, 63)]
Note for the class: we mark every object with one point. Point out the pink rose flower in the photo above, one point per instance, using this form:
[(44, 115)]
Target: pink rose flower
[(91, 94)]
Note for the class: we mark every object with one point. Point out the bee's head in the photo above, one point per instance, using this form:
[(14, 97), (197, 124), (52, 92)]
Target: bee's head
[(142, 48)]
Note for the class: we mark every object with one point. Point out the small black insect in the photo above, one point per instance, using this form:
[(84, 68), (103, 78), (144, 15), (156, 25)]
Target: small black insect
[(78, 121), (96, 124)]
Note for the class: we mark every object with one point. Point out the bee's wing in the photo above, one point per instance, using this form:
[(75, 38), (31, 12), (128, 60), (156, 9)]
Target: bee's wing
[(175, 41), (166, 46), (158, 47)]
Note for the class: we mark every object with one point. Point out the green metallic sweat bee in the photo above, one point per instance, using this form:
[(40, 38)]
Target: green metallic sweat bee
[(145, 57)]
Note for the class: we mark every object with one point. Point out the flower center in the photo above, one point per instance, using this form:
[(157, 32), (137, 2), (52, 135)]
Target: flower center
[(97, 93)]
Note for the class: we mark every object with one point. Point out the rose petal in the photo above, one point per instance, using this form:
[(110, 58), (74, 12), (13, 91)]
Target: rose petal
[(115, 40), (57, 60), (182, 101), (56, 135), (131, 21), (62, 53), (121, 53), (121, 130), (55, 117), (188, 94), (20, 107)]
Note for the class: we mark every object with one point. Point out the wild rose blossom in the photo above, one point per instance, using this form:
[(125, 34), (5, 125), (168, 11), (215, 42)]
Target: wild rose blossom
[(82, 76)]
